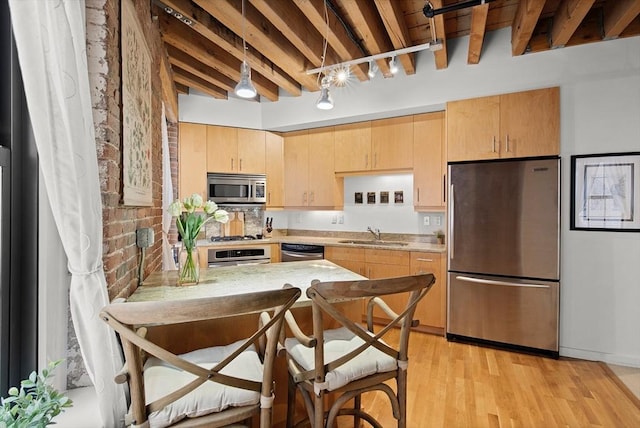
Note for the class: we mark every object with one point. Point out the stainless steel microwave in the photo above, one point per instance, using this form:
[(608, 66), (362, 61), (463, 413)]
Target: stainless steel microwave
[(237, 188)]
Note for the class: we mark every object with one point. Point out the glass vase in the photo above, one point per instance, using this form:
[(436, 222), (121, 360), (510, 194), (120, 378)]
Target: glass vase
[(188, 264)]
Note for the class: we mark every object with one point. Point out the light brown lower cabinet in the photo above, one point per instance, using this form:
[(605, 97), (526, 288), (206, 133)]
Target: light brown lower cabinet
[(376, 263)]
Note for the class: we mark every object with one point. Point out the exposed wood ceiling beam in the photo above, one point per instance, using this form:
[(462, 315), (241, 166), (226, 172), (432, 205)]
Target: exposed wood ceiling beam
[(169, 91), (336, 34), (182, 89), (221, 36), (524, 23), (394, 22), (367, 24), (263, 36), (476, 35), (187, 40), (441, 56), (618, 17), (568, 17), (192, 81), (182, 60)]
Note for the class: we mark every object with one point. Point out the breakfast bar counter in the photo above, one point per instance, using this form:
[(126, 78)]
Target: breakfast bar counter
[(225, 281)]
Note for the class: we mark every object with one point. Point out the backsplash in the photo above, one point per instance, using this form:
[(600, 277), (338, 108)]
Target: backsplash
[(396, 215), (242, 221)]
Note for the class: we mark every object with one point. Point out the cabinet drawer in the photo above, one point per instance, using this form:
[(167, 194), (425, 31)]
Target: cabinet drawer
[(425, 262), (344, 253), (387, 257)]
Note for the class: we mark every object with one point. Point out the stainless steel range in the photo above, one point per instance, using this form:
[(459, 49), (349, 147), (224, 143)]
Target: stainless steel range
[(239, 255)]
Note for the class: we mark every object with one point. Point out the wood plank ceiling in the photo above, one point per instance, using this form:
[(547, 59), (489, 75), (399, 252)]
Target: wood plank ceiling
[(285, 38)]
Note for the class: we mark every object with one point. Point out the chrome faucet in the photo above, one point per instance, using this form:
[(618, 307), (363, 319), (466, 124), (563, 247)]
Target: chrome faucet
[(375, 232)]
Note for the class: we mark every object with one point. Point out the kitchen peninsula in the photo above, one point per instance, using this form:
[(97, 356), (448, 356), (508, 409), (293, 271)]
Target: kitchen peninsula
[(225, 281)]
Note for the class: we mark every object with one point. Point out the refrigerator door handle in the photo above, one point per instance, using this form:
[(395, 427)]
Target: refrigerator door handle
[(451, 225), (493, 282)]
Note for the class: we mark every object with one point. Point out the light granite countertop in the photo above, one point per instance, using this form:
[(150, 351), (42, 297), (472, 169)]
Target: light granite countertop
[(231, 280), (387, 244)]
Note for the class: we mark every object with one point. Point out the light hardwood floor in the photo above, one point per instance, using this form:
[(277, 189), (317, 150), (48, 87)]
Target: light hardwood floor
[(459, 385)]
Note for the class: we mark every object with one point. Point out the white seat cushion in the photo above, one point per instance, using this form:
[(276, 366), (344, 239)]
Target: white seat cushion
[(337, 343), (161, 378)]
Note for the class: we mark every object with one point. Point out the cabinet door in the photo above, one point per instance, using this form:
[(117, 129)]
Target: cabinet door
[(530, 123), (192, 159), (431, 310), (251, 151), (322, 181), (392, 143), (429, 164), (296, 169), (473, 128), (353, 147), (222, 149), (274, 167)]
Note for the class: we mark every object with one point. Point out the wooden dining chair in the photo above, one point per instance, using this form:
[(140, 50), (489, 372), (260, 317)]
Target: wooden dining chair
[(213, 387), (352, 359)]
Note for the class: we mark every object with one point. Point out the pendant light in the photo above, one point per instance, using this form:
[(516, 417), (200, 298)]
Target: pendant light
[(245, 88), (325, 102)]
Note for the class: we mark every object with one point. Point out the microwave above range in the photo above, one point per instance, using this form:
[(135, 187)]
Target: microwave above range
[(225, 189)]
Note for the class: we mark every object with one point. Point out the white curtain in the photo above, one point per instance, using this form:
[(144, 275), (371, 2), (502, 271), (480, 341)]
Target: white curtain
[(167, 197), (51, 42)]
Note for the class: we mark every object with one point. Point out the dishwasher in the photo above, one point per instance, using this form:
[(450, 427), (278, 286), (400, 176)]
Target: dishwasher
[(299, 252)]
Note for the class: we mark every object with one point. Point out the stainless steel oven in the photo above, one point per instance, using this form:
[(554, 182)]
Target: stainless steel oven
[(237, 188), (240, 255)]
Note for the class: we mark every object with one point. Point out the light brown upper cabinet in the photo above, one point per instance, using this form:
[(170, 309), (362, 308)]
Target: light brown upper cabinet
[(353, 147), (512, 125), (275, 170), (192, 157), (392, 143), (235, 150), (429, 161), (310, 180), (379, 145)]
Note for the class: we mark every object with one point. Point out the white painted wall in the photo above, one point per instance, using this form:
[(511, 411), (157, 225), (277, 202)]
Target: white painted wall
[(600, 105)]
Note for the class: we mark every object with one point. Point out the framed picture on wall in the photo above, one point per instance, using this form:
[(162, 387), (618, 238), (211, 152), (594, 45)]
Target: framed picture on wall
[(605, 192), (136, 110)]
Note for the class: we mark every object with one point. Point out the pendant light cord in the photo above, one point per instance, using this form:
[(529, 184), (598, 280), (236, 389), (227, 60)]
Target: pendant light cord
[(324, 44), (244, 40)]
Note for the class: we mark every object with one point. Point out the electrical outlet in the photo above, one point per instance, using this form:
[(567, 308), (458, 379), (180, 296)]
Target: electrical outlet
[(438, 220), (144, 237), (426, 221), (341, 219), (334, 219)]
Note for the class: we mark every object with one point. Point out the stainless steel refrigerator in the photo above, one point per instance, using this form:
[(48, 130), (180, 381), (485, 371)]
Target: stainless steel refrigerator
[(504, 240)]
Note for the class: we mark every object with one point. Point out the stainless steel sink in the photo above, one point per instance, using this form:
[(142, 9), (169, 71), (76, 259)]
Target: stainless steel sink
[(369, 242)]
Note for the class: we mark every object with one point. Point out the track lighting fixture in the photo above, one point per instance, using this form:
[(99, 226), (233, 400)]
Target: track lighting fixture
[(245, 88), (393, 67), (372, 69), (325, 102)]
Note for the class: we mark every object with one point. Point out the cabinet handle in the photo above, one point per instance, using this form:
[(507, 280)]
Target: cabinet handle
[(507, 143), (424, 260), (240, 164), (418, 196), (444, 188), (369, 275), (269, 197), (493, 149), (311, 196), (231, 164), (375, 160), (304, 197), (366, 160)]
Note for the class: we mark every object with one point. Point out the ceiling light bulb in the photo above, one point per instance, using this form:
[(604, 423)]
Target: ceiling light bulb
[(372, 69), (393, 67), (244, 88)]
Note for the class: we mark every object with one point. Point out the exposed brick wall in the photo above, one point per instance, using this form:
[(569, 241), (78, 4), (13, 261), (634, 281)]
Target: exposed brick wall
[(120, 253), (172, 129)]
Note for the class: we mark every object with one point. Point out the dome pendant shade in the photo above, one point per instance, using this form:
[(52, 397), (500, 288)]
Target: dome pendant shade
[(325, 102), (244, 88)]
